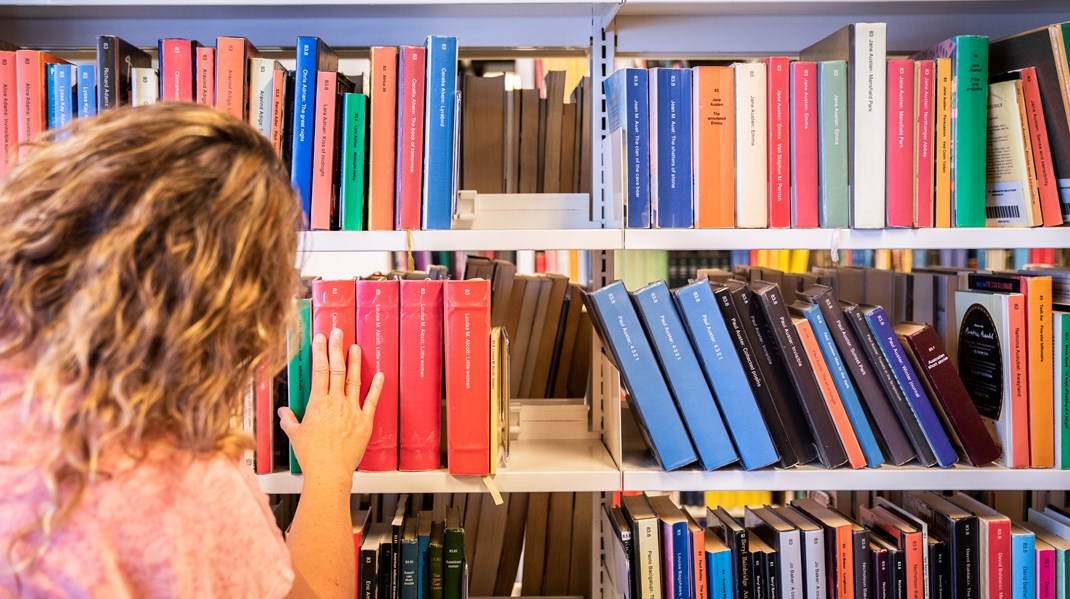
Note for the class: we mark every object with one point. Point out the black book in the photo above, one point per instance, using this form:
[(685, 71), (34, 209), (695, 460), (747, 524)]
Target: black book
[(369, 559), (857, 320), (763, 560), (878, 564), (772, 306), (115, 59), (622, 530), (797, 438), (397, 528), (735, 536), (860, 551), (892, 438), (897, 568), (939, 570), (957, 528), (386, 567), (757, 376)]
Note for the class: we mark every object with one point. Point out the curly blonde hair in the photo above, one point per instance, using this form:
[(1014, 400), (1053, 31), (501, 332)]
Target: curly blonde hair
[(146, 271)]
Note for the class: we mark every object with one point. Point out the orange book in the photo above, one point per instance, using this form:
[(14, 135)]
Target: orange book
[(942, 143), (714, 139), (1030, 163), (383, 125), (232, 73), (1038, 291), (855, 457), (1041, 146), (32, 94)]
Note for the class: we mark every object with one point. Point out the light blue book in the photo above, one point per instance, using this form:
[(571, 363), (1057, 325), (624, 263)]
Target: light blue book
[(87, 91), (719, 580), (62, 100), (50, 95), (724, 373), (439, 158), (626, 107), (844, 386), (1023, 563)]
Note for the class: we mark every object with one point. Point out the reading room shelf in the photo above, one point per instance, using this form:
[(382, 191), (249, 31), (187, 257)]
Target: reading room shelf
[(641, 473), (537, 465), (825, 239), (472, 240)]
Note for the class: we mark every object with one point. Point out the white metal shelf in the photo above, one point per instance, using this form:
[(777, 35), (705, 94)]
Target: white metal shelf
[(824, 239), (537, 465), (641, 473), (557, 239)]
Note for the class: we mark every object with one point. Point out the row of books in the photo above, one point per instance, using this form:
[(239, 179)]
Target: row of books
[(924, 545), (779, 368), (846, 136)]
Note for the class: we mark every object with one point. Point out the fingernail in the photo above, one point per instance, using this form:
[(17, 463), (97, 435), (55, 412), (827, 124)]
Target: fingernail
[(336, 333), (319, 338)]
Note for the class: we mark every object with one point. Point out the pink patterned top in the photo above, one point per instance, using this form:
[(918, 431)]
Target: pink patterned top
[(169, 526)]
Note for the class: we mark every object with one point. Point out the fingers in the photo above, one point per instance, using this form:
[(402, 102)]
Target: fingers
[(372, 399), (320, 367), (353, 376), (337, 364), (288, 421)]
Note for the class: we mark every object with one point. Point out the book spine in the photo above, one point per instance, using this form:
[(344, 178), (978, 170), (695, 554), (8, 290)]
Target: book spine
[(999, 559), (176, 70), (862, 575), (900, 143), (911, 387), (778, 143), (965, 567), (248, 423), (638, 146), (231, 58), (261, 85), (868, 82), (672, 197), (382, 131), (713, 159), (354, 132), (306, 72), (299, 369), (407, 574), (752, 184), (814, 554), (1040, 372), (107, 69), (205, 91), (1045, 559), (924, 82), (721, 584), (969, 125), (1061, 357), (145, 86), (1018, 362), (700, 569), (278, 108), (323, 151), (804, 146), (832, 144), (377, 334), (421, 361), (32, 109), (942, 144), (334, 307), (1023, 563), (467, 359), (412, 73), (1042, 157), (87, 91), (64, 99), (435, 569), (439, 116), (265, 408), (368, 579)]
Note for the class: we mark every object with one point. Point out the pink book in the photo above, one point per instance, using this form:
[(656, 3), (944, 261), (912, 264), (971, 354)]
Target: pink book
[(264, 422), (924, 165), (232, 72), (1045, 556), (278, 106), (900, 143), (333, 307), (176, 70), (777, 92), (410, 144), (421, 360), (206, 76), (1042, 159), (8, 113), (804, 145), (377, 335), (667, 561), (323, 190)]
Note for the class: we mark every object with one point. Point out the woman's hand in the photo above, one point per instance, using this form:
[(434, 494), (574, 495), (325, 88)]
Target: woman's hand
[(330, 441)]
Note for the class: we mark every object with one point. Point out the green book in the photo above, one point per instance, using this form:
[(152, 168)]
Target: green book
[(435, 561), (832, 144), (299, 370), (453, 558), (969, 124), (354, 162)]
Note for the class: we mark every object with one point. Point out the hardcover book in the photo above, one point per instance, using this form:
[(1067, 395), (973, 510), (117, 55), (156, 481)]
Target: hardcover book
[(627, 106), (354, 161), (334, 307), (439, 115), (832, 144), (420, 389), (670, 148), (804, 145), (924, 122), (177, 60), (313, 56), (467, 360), (900, 143), (232, 74), (382, 150), (205, 77), (713, 97), (646, 562), (299, 369), (412, 73), (751, 127), (115, 59), (779, 166), (332, 86)]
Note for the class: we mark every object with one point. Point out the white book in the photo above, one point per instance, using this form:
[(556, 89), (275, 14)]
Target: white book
[(1009, 196), (145, 86), (646, 545), (786, 539), (248, 422), (812, 550), (864, 47), (752, 184), (261, 90)]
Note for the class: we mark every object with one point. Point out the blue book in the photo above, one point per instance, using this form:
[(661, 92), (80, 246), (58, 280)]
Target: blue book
[(680, 366), (410, 549), (910, 384), (50, 94), (659, 419), (670, 147), (677, 572), (719, 581), (63, 99), (1023, 563), (724, 373), (627, 111), (740, 257), (851, 404), (439, 116), (682, 556), (87, 91), (312, 56)]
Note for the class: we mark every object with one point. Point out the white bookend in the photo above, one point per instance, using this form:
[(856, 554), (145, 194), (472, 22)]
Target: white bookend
[(145, 86), (752, 208)]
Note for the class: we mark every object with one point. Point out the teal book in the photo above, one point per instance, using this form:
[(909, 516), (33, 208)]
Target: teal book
[(409, 575), (1061, 355), (969, 124), (299, 370), (423, 550), (354, 161), (1023, 563), (719, 580), (832, 144)]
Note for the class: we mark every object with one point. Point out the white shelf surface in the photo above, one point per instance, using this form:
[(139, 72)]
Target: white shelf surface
[(559, 239), (641, 473), (537, 465), (825, 239)]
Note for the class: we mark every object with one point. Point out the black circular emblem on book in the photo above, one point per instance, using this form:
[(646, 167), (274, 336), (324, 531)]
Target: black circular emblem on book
[(981, 361)]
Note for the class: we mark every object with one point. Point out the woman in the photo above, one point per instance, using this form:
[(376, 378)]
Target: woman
[(146, 274)]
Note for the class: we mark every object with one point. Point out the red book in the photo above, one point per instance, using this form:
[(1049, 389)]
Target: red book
[(377, 335), (334, 307), (777, 98), (265, 408), (232, 74), (32, 95), (8, 112), (804, 144), (924, 165), (323, 146), (278, 106), (383, 125), (421, 387), (206, 76), (900, 143), (410, 155), (1038, 138), (176, 70), (467, 352)]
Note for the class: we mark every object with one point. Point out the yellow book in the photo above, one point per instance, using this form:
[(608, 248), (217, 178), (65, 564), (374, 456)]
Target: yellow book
[(882, 259), (783, 260), (800, 261), (942, 142)]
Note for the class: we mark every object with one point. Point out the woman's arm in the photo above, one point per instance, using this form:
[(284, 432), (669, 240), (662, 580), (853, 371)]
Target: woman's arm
[(329, 443)]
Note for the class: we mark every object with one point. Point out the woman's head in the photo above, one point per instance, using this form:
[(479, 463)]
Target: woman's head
[(146, 271)]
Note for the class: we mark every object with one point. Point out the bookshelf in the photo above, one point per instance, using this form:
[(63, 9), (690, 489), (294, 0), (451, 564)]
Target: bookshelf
[(381, 241)]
